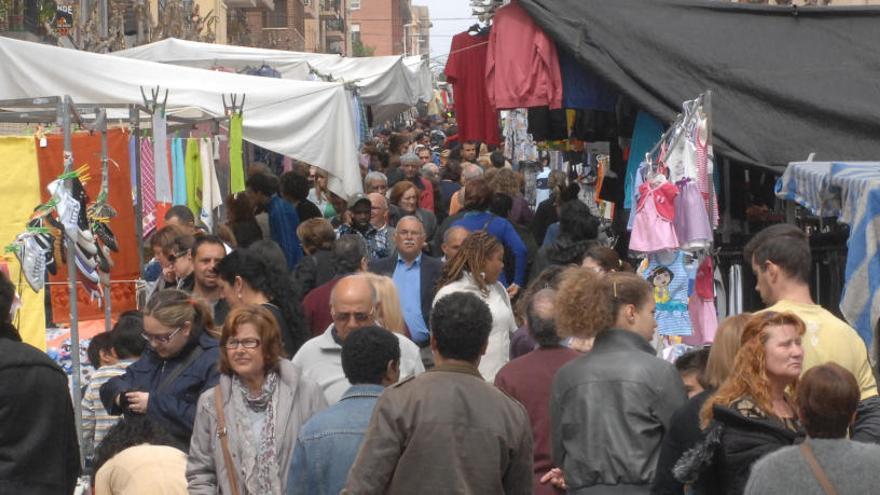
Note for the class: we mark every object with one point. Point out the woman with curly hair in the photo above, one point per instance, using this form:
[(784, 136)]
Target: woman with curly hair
[(610, 408), (246, 278), (475, 269), (753, 413)]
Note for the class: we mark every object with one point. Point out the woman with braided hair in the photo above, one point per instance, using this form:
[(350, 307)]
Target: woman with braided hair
[(476, 269)]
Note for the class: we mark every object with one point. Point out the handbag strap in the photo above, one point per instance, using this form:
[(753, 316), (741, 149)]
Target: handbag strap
[(224, 439), (818, 472)]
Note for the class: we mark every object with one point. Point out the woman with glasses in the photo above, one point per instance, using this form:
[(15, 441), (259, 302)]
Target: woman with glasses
[(180, 258), (253, 416), (404, 197), (177, 366)]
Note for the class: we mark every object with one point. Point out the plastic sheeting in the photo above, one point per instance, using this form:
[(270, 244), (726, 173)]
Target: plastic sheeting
[(309, 121), (389, 84), (786, 82)]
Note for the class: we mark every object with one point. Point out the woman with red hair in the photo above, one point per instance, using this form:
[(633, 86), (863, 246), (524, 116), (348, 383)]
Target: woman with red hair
[(754, 412)]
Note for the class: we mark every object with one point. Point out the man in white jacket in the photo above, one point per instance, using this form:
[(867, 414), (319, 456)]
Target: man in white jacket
[(352, 305)]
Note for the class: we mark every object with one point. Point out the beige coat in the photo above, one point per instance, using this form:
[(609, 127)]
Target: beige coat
[(206, 470)]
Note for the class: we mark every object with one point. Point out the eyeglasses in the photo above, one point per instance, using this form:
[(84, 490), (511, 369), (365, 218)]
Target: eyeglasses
[(246, 343), (358, 317), (161, 339), (175, 256)]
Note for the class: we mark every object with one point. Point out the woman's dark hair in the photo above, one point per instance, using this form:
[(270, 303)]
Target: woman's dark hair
[(239, 207), (502, 204), (576, 223), (294, 186), (477, 195), (173, 308), (130, 431), (472, 256), (452, 171), (263, 184), (827, 397), (395, 142), (7, 298), (277, 285), (270, 252), (607, 259), (127, 340)]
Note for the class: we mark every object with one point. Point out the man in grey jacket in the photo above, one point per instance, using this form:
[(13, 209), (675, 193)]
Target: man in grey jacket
[(447, 430)]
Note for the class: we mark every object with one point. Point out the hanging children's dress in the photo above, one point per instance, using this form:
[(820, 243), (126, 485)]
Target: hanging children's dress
[(701, 307), (669, 281), (691, 219), (652, 228)]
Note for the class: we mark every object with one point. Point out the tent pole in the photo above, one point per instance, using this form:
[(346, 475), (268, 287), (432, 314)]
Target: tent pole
[(65, 109), (102, 126), (725, 229), (135, 120)]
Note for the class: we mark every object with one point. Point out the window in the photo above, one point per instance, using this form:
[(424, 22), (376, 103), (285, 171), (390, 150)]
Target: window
[(355, 33), (277, 18), (354, 4)]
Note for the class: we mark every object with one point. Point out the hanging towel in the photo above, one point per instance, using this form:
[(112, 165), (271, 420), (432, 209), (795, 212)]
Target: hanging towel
[(178, 167), (236, 167), (160, 158), (211, 196), (148, 187), (193, 176)]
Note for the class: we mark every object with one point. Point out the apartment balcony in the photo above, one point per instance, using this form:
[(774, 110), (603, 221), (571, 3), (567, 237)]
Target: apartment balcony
[(330, 9), (282, 39)]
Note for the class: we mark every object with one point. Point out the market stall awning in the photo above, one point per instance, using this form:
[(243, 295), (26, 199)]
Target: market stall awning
[(851, 192), (786, 81), (309, 121), (390, 84)]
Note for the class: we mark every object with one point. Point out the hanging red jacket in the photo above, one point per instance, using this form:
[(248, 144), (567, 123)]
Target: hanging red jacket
[(523, 66), (465, 70)]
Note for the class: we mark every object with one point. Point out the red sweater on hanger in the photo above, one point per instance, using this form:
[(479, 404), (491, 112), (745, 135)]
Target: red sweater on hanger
[(465, 69), (523, 66)]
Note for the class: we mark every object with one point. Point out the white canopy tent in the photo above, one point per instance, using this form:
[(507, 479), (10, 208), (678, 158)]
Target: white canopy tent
[(389, 84), (309, 121)]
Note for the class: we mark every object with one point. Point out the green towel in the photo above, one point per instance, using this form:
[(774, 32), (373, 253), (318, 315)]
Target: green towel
[(236, 167), (193, 177)]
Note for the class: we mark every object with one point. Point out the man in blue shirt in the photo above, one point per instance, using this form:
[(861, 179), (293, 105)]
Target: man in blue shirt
[(283, 219), (328, 443), (415, 277)]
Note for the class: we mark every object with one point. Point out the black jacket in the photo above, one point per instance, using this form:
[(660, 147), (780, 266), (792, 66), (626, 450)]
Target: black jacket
[(430, 273), (314, 270), (609, 411), (722, 462), (683, 434), (39, 451)]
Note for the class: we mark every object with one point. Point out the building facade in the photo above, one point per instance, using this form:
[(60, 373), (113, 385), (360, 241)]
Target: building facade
[(378, 25)]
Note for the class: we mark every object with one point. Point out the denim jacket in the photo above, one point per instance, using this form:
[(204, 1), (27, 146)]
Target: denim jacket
[(328, 443)]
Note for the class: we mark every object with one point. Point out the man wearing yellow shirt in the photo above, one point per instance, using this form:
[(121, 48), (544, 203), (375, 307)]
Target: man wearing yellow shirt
[(781, 262)]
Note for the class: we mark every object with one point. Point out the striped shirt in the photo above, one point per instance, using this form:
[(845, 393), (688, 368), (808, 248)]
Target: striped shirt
[(96, 421)]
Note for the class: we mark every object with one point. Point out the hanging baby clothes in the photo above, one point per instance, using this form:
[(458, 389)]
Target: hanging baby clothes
[(148, 187), (193, 176), (178, 171), (236, 167), (691, 220), (212, 197), (705, 167), (160, 158), (652, 228), (669, 282), (701, 307)]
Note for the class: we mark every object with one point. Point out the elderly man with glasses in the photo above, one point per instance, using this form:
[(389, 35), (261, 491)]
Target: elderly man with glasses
[(353, 304)]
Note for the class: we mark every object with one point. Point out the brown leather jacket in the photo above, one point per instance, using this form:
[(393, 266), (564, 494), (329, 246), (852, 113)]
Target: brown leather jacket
[(445, 431)]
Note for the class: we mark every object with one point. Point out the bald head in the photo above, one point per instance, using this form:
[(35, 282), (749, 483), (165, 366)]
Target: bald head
[(470, 171), (378, 210), (541, 316), (452, 241), (352, 304)]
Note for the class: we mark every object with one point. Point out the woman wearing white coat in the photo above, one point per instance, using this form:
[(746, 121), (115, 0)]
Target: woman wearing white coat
[(475, 269)]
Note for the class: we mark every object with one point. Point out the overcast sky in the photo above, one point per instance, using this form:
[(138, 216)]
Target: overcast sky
[(448, 18)]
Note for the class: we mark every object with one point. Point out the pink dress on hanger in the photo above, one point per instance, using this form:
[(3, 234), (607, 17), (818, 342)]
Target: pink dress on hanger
[(653, 229)]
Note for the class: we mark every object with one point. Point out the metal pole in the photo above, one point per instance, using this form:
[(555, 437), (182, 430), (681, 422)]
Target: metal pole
[(102, 127), (70, 244), (103, 18), (726, 228), (135, 120)]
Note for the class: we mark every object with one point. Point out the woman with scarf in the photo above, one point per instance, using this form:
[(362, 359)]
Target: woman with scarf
[(247, 425)]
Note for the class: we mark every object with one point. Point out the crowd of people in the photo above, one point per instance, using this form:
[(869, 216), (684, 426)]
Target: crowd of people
[(436, 334)]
